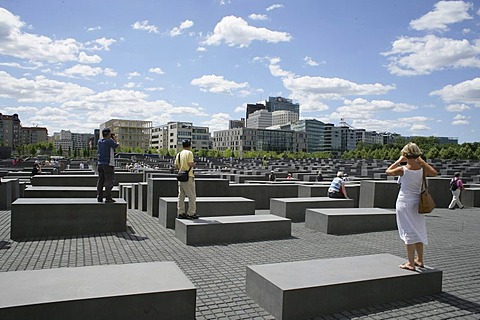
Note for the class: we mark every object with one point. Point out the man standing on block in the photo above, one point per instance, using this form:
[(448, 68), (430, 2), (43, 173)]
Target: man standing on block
[(184, 162), (106, 165)]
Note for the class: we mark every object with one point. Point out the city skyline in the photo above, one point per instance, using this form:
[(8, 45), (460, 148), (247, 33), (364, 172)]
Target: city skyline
[(409, 67)]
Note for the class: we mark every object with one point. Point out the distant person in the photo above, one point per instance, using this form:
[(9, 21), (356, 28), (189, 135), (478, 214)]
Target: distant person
[(82, 166), (456, 186), (319, 176), (264, 163), (106, 165), (184, 161), (271, 176), (411, 225), (337, 187), (289, 176), (36, 169)]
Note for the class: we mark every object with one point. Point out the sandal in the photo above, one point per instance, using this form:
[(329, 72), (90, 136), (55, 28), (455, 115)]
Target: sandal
[(420, 265), (406, 267)]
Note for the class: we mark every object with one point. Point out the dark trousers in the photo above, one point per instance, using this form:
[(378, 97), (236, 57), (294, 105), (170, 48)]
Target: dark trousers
[(337, 195), (106, 175)]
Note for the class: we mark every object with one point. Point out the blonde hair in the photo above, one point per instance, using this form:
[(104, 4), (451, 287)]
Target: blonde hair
[(411, 150)]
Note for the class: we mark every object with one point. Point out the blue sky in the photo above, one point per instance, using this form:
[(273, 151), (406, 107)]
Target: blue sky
[(405, 66)]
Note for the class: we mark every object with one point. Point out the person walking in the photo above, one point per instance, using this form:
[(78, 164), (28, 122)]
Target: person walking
[(456, 186), (184, 162), (106, 165), (337, 187), (411, 225)]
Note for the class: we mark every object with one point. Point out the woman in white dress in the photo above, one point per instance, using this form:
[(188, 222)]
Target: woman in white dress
[(411, 225)]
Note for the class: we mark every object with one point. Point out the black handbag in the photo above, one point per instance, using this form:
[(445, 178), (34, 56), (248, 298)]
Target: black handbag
[(182, 176)]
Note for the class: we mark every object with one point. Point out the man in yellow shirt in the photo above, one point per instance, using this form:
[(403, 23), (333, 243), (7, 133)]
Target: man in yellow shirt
[(184, 162)]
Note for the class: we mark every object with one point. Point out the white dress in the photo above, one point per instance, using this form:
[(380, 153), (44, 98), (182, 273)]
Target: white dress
[(411, 225)]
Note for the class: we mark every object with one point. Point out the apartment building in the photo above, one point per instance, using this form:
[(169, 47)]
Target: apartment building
[(170, 136), (130, 133)]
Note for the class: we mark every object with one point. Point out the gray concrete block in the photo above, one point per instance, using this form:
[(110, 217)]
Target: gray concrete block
[(43, 217), (262, 193), (470, 197), (5, 195), (294, 208), (232, 229), (142, 196), (206, 207), (321, 190), (168, 187), (378, 194), (305, 289), (350, 220), (64, 192), (150, 290), (82, 180)]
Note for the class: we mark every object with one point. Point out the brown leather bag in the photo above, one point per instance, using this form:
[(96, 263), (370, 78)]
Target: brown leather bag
[(426, 204)]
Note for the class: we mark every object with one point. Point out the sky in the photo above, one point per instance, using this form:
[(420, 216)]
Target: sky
[(405, 66)]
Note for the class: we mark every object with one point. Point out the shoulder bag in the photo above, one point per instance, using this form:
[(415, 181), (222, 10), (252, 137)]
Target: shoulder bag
[(182, 176), (426, 204)]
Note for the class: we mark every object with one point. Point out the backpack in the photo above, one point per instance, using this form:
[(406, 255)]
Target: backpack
[(453, 184)]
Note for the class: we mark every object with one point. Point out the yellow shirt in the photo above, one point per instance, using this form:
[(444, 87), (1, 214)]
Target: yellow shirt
[(186, 156)]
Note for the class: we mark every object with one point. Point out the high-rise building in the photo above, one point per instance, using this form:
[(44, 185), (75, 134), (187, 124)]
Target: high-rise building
[(281, 117), (319, 134), (279, 103), (236, 123), (10, 130), (170, 136), (130, 133), (249, 139), (260, 119), (251, 108), (33, 135)]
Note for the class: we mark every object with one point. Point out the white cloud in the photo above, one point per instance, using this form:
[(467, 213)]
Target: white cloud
[(15, 43), (240, 109), (421, 56), (463, 92), (87, 71), (201, 49), (154, 89), (156, 70), (457, 107), (94, 28), (445, 13), (219, 121), (181, 29), (40, 89), (419, 127), (255, 16), (235, 31), (363, 109), (274, 6), (460, 120), (217, 84), (85, 58), (130, 85), (101, 44), (133, 74), (144, 26), (308, 60), (311, 92)]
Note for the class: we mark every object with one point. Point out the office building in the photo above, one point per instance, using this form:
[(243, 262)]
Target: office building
[(170, 136), (33, 135), (319, 134), (10, 130), (130, 133), (249, 139), (282, 117), (279, 103), (260, 119)]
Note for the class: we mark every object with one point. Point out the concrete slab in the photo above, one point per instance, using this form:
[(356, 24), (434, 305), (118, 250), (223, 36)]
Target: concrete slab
[(64, 192), (232, 229), (44, 217), (305, 289), (350, 220), (130, 291), (206, 207), (294, 208)]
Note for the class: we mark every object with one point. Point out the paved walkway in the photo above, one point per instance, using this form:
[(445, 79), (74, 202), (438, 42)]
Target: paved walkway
[(218, 271)]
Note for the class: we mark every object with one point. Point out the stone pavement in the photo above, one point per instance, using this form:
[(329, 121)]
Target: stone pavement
[(218, 271)]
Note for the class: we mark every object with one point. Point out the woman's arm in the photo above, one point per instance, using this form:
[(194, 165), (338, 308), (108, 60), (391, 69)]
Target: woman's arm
[(394, 169), (344, 190), (429, 170)]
